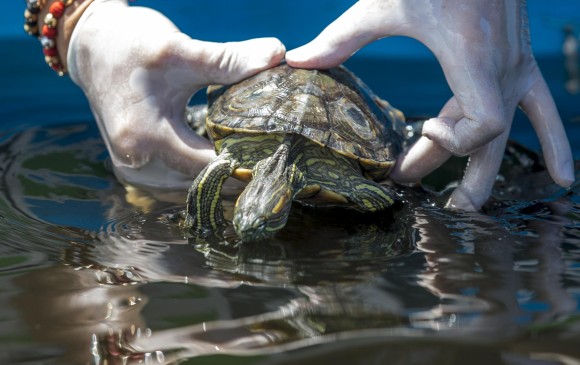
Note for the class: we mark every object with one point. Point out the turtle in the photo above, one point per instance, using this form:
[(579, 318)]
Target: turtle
[(319, 137)]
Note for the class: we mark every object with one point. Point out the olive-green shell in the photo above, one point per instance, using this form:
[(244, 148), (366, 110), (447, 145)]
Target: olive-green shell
[(331, 107)]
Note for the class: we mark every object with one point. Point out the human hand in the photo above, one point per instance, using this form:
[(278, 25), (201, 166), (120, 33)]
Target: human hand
[(484, 51), (138, 72)]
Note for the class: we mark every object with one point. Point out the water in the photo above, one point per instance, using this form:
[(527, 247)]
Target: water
[(93, 273)]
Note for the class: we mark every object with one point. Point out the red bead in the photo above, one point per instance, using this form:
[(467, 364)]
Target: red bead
[(49, 32), (57, 9), (51, 52)]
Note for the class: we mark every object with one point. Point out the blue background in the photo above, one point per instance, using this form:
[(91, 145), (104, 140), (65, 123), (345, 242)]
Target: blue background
[(297, 22)]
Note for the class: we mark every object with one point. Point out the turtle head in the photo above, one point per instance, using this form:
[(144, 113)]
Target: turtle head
[(260, 213), (263, 207)]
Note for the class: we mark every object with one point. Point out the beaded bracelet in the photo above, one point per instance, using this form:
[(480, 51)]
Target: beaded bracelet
[(48, 33), (31, 17)]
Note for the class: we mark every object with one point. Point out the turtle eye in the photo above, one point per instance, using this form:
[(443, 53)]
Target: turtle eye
[(262, 226)]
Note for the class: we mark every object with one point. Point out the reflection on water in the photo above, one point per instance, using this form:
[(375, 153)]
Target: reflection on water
[(87, 277)]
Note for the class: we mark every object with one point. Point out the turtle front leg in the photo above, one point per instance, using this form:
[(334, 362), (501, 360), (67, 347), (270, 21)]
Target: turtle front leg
[(369, 196), (204, 203)]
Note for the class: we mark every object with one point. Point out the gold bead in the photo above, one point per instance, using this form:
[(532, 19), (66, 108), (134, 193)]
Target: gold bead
[(51, 21), (51, 60), (29, 16)]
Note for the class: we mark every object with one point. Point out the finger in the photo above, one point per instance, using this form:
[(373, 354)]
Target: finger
[(361, 24), (480, 175), (540, 108), (422, 158), (479, 96), (451, 110), (425, 155), (465, 136)]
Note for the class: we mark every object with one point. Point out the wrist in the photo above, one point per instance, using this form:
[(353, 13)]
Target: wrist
[(56, 22)]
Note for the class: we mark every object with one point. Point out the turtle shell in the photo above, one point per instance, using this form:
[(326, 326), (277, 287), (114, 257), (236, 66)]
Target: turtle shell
[(331, 107)]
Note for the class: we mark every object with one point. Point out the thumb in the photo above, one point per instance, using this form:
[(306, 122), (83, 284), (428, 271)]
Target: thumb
[(182, 66), (227, 63), (363, 23)]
